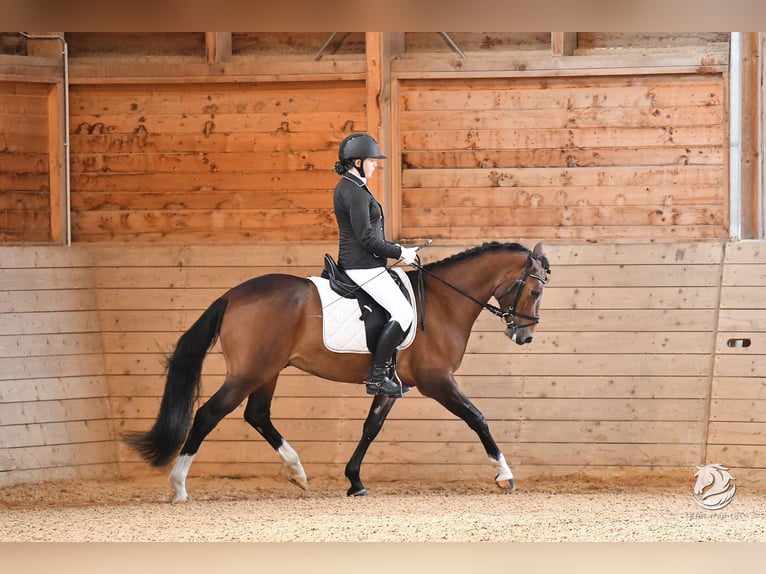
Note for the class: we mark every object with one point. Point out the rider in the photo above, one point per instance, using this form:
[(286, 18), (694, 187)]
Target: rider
[(363, 251)]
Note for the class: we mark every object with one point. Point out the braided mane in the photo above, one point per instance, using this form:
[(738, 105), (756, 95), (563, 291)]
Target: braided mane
[(469, 253)]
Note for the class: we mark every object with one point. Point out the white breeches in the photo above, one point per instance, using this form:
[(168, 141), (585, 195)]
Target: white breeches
[(381, 287)]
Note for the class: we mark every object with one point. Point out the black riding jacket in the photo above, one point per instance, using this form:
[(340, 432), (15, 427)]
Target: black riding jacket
[(362, 243)]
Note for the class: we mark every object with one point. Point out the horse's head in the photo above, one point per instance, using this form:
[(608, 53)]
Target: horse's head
[(520, 299)]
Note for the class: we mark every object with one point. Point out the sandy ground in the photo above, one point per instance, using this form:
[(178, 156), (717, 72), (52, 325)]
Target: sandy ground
[(268, 510)]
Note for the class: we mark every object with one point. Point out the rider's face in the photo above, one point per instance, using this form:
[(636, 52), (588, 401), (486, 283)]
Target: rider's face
[(369, 166)]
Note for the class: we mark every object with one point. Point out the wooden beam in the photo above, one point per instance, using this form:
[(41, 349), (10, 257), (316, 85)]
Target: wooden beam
[(379, 48), (47, 46), (56, 164), (751, 113), (563, 43), (217, 47)]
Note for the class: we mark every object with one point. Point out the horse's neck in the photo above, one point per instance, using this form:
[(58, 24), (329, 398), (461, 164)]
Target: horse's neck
[(476, 278), (480, 277)]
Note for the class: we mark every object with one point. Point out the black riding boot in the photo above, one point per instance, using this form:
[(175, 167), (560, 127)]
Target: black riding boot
[(378, 382)]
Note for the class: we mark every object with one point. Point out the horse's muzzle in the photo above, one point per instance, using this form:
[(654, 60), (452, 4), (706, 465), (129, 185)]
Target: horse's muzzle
[(519, 336)]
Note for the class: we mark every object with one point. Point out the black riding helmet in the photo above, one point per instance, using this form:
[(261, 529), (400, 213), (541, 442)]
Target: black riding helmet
[(356, 146)]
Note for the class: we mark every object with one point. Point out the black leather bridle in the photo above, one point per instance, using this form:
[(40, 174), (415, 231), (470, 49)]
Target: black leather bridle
[(512, 314)]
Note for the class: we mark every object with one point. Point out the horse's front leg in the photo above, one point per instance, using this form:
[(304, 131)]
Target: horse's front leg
[(381, 406), (448, 394)]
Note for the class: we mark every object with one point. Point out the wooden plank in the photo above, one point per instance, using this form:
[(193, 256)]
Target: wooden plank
[(306, 180), (97, 140), (743, 252), (582, 176), (741, 387), (488, 386), (49, 322), (232, 98), (83, 454), (550, 409), (39, 412), (726, 343), (456, 431), (737, 410), (556, 118), (17, 368), (429, 453), (44, 279), (619, 216), (740, 275), (741, 365), (516, 365), (745, 456), (743, 433), (475, 139), (191, 123), (605, 342), (34, 345), (664, 155), (660, 197), (50, 434), (201, 161), (55, 388), (742, 320), (570, 93)]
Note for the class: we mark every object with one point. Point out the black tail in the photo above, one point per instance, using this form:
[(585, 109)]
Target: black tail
[(159, 444)]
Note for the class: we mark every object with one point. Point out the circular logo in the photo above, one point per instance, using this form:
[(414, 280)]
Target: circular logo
[(714, 488)]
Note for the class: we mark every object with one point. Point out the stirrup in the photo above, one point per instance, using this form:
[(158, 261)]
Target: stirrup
[(384, 385)]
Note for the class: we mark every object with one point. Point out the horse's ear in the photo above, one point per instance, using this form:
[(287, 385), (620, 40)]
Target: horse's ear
[(538, 250)]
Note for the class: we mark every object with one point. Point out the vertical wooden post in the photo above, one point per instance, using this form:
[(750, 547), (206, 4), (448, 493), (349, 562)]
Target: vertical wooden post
[(563, 43), (56, 169), (217, 47), (380, 126), (50, 46), (393, 47), (751, 128), (762, 135)]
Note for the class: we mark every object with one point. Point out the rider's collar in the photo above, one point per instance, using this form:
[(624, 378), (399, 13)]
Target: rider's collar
[(354, 177)]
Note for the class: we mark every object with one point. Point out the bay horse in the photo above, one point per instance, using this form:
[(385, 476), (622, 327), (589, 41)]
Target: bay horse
[(273, 321)]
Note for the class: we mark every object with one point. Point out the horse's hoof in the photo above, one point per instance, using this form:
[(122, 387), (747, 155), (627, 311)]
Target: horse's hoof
[(299, 481), (508, 486), (180, 498), (353, 492)]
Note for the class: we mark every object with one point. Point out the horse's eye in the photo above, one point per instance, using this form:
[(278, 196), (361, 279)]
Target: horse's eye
[(535, 294)]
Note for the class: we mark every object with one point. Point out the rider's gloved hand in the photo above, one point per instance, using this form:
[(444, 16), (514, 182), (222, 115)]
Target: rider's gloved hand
[(408, 255)]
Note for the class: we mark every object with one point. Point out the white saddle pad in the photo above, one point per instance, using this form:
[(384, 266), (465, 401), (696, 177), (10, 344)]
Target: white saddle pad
[(342, 329)]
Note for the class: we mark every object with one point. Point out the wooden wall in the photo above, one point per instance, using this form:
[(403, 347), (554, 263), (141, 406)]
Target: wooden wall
[(25, 214), (197, 163), (642, 156), (737, 435), (630, 368), (55, 420)]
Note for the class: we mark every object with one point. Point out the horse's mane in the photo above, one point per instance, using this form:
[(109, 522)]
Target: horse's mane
[(469, 253)]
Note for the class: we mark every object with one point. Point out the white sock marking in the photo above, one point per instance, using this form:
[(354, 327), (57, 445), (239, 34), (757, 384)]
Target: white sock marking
[(178, 476), (503, 471), (292, 461)]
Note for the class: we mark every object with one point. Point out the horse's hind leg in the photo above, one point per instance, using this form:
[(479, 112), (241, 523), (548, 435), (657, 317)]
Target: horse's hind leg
[(207, 417), (381, 406), (258, 414)]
